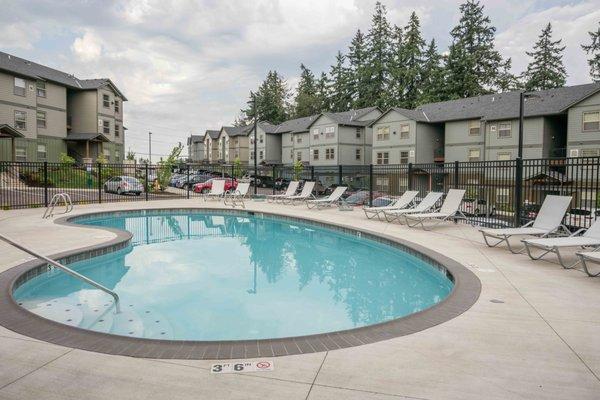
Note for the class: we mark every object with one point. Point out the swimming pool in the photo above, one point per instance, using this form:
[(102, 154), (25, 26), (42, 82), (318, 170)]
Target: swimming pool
[(214, 276)]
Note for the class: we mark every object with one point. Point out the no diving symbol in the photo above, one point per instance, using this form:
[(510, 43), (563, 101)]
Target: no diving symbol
[(263, 364)]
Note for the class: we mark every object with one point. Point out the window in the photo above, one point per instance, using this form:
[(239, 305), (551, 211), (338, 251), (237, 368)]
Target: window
[(504, 130), (117, 106), (330, 153), (106, 153), (292, 154), (503, 195), (358, 133), (315, 133), (20, 154), (330, 132), (298, 139), (21, 120), (504, 156), (404, 131), (105, 126), (19, 89), (315, 154), (252, 154), (591, 121), (291, 138), (106, 101), (383, 133), (383, 158), (261, 139), (404, 157), (474, 154), (41, 119), (590, 152), (41, 152), (474, 127), (261, 155), (117, 130), (299, 156), (382, 184), (357, 154), (40, 89)]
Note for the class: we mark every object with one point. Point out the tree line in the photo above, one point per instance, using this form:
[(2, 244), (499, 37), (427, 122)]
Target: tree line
[(393, 66)]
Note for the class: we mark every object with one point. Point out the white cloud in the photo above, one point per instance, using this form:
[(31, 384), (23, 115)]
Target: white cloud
[(18, 35), (88, 47)]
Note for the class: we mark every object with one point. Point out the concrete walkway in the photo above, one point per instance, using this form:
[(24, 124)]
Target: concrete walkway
[(534, 333)]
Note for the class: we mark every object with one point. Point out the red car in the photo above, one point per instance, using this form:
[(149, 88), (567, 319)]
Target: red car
[(204, 187)]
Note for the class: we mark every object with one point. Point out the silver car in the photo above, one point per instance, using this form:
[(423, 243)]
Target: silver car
[(123, 185)]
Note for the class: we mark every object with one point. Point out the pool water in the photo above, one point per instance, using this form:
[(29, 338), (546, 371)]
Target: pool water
[(208, 276)]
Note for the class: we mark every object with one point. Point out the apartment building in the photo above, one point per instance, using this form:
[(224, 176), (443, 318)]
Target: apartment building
[(295, 145), (268, 145), (233, 143), (195, 145), (211, 145), (45, 112)]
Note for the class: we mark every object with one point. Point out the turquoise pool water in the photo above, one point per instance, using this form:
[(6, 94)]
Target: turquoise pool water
[(203, 276)]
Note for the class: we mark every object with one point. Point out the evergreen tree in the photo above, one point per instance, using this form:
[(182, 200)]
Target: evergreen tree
[(546, 70), (240, 120), (340, 86), (593, 49), (378, 59), (272, 100), (413, 46), (358, 71), (432, 79), (307, 101), (396, 85), (472, 64), (323, 94), (507, 81)]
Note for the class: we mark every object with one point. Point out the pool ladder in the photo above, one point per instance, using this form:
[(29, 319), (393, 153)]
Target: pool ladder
[(54, 202), (68, 270)]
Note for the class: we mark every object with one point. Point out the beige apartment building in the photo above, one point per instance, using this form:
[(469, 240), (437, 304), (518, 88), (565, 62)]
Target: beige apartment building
[(45, 112)]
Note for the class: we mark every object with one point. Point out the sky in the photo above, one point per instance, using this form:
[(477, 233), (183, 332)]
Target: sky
[(188, 66)]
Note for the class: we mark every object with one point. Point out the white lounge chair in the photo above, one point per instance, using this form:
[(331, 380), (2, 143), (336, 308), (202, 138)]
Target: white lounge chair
[(329, 200), (589, 257), (547, 221), (304, 195), (428, 202), (217, 189), (235, 197), (290, 191), (403, 201), (450, 210), (582, 238)]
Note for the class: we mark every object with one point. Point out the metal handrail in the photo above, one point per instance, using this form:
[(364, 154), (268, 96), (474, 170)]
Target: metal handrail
[(65, 269), (54, 201)]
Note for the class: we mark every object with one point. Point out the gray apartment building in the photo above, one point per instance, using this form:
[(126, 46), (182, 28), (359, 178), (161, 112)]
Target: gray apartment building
[(233, 143), (268, 144), (211, 146), (45, 112), (195, 145)]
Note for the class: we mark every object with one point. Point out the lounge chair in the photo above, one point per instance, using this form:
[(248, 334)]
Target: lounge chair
[(328, 201), (403, 201), (589, 257), (581, 238), (450, 210), (217, 189), (547, 222), (304, 195), (426, 204), (236, 196), (290, 191)]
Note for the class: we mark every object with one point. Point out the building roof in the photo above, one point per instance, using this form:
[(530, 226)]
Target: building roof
[(296, 125), (237, 130), (29, 69), (10, 132), (87, 136), (195, 139), (213, 134), (349, 118)]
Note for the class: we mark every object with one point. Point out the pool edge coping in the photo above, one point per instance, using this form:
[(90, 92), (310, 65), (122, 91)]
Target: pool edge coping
[(465, 293)]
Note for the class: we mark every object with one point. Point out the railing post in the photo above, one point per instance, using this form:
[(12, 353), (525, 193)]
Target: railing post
[(370, 185), (147, 183), (518, 190), (410, 176), (340, 174), (188, 181), (46, 183), (456, 174), (99, 182)]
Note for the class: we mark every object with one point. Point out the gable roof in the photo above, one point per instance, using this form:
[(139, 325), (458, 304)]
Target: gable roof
[(348, 118), (195, 139), (29, 69), (296, 125), (213, 134), (237, 130)]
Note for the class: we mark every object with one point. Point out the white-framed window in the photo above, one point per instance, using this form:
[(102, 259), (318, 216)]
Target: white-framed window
[(404, 157), (299, 156), (503, 195), (291, 154), (504, 130), (504, 156), (106, 153), (382, 184), (20, 154), (21, 120), (383, 158), (105, 126), (475, 127), (474, 154), (590, 152), (40, 89), (252, 154), (358, 133), (383, 133), (330, 153), (330, 132), (117, 106), (106, 101), (315, 133), (591, 121), (19, 87), (117, 130), (261, 155), (41, 152), (315, 154), (404, 131), (298, 138), (357, 154), (41, 119)]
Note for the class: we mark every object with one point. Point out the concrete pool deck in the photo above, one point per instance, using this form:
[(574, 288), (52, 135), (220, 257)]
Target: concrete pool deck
[(533, 333)]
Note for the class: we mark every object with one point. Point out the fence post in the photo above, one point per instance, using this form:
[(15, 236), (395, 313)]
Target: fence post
[(188, 181), (46, 183), (370, 185), (274, 172), (340, 174), (147, 183), (518, 190), (410, 176), (99, 182), (456, 174), (312, 173)]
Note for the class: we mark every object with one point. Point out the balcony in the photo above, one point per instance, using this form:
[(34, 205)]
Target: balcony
[(438, 155)]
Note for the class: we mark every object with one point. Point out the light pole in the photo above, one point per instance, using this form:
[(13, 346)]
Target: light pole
[(150, 148), (255, 142)]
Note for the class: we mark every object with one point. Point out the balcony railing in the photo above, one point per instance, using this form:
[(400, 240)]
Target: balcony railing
[(438, 155)]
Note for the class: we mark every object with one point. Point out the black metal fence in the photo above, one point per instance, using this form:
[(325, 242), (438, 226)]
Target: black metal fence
[(498, 193)]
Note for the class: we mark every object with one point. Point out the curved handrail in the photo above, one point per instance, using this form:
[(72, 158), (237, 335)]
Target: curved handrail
[(65, 269), (54, 201)]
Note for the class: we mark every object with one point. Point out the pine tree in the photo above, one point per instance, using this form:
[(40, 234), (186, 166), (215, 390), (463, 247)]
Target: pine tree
[(340, 85), (307, 101), (432, 79), (546, 70), (396, 85), (358, 71), (323, 94), (272, 100), (378, 59), (507, 81), (413, 46), (472, 64), (593, 49)]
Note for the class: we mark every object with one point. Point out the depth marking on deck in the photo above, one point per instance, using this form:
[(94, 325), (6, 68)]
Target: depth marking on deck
[(242, 366)]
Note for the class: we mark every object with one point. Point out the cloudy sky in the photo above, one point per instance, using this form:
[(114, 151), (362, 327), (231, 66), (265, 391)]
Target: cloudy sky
[(188, 66)]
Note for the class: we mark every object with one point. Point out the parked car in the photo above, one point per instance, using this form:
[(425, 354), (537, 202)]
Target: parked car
[(580, 217), (281, 184), (184, 183), (361, 198), (478, 207), (123, 185), (261, 180), (175, 178), (204, 187)]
